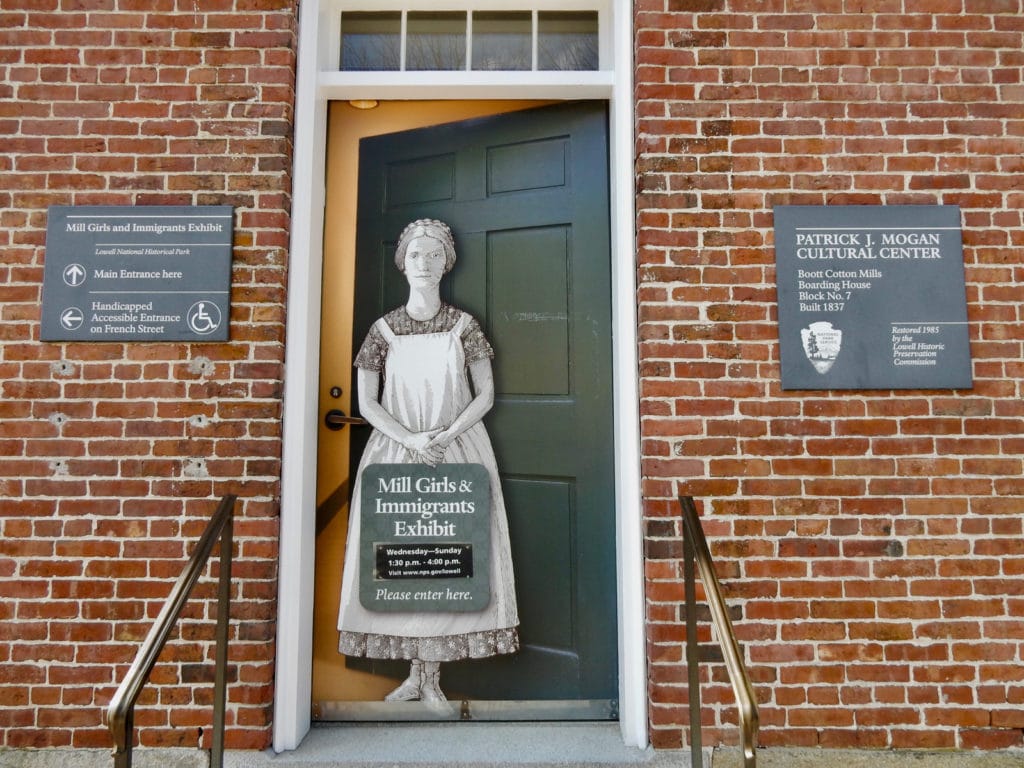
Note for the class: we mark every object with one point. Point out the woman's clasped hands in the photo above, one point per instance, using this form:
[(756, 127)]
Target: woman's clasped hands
[(427, 447)]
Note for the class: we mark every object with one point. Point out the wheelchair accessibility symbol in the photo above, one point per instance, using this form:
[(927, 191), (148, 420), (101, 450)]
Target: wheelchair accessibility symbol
[(203, 317)]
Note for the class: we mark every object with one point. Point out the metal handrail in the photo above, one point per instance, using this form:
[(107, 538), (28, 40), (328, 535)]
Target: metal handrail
[(695, 547), (120, 712)]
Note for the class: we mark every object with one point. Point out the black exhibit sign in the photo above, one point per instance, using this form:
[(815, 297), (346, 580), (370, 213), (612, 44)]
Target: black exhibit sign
[(425, 542), (871, 297), (137, 273)]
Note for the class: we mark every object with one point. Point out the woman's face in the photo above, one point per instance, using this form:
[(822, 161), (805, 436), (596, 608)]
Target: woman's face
[(424, 261)]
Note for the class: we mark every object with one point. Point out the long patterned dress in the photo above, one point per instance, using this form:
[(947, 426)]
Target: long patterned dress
[(425, 385)]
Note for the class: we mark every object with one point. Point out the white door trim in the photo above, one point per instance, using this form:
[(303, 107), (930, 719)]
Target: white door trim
[(315, 86)]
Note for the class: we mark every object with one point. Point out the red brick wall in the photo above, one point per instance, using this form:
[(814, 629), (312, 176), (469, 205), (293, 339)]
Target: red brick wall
[(116, 454), (870, 542)]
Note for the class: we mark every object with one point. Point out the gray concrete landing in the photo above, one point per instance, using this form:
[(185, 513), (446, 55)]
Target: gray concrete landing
[(461, 745), (563, 745)]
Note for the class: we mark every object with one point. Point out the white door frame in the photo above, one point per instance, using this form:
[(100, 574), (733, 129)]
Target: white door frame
[(319, 82)]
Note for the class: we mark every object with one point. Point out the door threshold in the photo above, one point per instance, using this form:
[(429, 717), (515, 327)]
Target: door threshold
[(460, 745), (465, 710)]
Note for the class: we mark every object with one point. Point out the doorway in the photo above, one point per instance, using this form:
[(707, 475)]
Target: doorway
[(526, 193)]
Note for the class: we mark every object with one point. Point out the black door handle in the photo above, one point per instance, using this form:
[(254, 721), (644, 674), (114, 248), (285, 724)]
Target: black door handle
[(335, 420)]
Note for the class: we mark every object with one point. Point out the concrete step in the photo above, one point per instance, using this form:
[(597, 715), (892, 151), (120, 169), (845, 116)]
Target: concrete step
[(778, 757), (172, 757), (533, 745)]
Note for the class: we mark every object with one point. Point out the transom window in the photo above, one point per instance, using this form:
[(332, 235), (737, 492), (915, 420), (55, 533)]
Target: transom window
[(506, 40)]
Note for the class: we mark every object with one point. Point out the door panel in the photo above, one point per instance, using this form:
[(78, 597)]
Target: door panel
[(423, 180), (526, 196), (526, 166), (546, 505), (529, 319)]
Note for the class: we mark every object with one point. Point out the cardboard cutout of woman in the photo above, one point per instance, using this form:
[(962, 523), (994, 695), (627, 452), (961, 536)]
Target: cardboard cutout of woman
[(414, 390)]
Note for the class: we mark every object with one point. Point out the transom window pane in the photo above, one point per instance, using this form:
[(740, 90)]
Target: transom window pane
[(371, 41), (441, 40), (567, 40), (435, 41), (502, 40)]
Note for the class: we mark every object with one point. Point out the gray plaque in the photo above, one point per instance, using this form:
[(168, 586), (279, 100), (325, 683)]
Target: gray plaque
[(871, 297), (137, 273), (426, 538)]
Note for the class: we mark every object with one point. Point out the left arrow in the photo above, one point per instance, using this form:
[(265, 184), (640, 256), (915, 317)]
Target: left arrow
[(72, 318)]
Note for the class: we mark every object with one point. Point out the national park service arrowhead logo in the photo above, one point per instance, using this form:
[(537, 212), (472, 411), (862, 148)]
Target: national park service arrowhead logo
[(821, 344)]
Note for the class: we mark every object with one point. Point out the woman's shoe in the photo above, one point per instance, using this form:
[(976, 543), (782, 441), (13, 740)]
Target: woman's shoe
[(430, 683), (409, 690)]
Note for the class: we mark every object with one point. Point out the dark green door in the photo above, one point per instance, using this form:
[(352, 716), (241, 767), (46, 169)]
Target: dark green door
[(526, 194)]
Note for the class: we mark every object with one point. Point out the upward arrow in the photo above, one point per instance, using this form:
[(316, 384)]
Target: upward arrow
[(74, 275)]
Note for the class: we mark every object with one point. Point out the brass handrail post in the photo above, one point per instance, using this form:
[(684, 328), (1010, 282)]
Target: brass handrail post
[(221, 670), (733, 655), (120, 712), (122, 734), (692, 651)]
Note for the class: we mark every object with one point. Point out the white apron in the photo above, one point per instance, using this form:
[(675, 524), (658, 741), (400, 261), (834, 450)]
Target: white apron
[(425, 386)]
